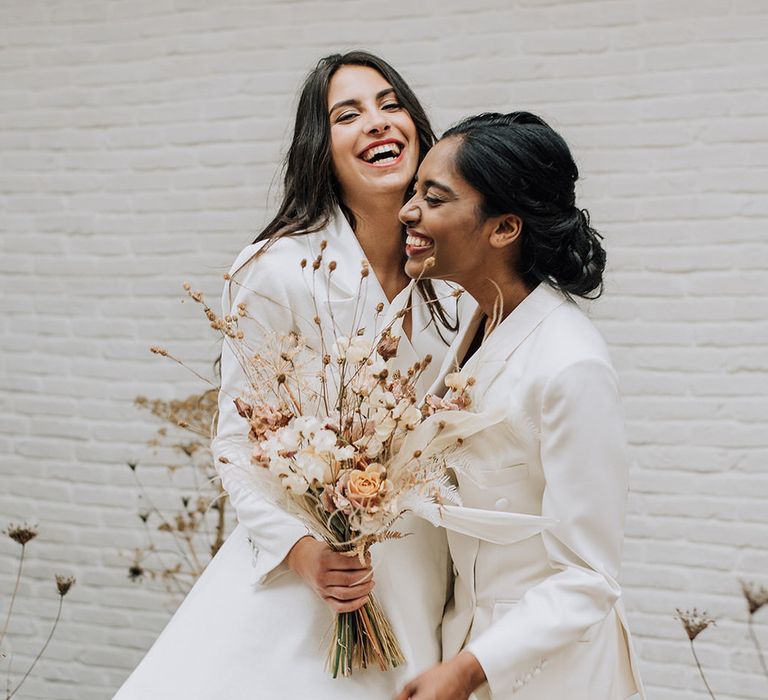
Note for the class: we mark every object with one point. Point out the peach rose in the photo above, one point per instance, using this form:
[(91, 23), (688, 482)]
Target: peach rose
[(361, 489)]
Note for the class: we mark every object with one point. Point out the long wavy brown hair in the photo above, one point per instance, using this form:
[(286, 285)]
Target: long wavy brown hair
[(311, 191)]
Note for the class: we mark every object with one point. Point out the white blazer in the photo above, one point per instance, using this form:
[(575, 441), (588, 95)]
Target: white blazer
[(285, 298), (543, 615)]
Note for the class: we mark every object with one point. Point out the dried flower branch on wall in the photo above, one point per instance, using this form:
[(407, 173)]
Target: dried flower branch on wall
[(22, 535), (181, 543), (694, 623), (756, 597)]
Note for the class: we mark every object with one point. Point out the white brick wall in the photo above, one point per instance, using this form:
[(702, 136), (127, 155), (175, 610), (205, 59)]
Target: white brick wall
[(138, 143)]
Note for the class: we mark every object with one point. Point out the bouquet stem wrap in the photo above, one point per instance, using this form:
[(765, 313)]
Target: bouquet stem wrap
[(363, 638)]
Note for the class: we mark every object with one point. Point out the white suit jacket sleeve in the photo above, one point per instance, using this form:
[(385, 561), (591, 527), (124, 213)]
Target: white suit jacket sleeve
[(272, 530), (583, 455)]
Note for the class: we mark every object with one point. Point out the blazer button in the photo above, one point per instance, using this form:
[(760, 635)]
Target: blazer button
[(502, 504)]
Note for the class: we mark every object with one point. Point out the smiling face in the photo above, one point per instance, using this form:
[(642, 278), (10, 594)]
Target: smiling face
[(374, 144), (444, 222)]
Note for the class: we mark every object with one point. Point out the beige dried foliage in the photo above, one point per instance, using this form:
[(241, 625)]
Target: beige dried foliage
[(190, 536)]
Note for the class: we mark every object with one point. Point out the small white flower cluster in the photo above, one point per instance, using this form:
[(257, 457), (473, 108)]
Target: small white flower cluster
[(455, 382), (303, 453), (388, 419), (355, 350)]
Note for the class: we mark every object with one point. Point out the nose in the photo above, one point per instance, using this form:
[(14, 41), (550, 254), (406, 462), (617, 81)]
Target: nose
[(378, 123), (410, 213)]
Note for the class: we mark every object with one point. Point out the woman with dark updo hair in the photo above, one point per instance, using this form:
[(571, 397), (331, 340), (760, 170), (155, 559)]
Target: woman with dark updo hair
[(494, 210)]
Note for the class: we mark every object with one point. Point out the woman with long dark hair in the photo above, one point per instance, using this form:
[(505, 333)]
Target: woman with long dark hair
[(256, 624), (494, 210)]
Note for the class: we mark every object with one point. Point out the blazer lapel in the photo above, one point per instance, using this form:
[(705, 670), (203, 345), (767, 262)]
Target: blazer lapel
[(491, 358), (456, 351)]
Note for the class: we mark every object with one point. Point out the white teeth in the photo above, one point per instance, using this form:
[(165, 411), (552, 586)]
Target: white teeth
[(391, 148), (417, 241)]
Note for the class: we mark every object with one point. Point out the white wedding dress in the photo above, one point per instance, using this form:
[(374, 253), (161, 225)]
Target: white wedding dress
[(250, 628)]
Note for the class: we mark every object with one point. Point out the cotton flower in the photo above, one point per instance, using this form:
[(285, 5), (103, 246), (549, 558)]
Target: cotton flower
[(312, 467), (380, 398), (362, 384), (343, 453), (323, 440), (405, 406), (359, 349), (271, 447), (371, 444), (307, 425), (377, 368), (384, 427), (455, 381), (354, 349), (284, 440), (279, 466), (366, 380), (295, 483), (410, 417)]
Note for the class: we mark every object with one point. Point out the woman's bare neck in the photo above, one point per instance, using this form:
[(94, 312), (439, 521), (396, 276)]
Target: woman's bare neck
[(379, 232)]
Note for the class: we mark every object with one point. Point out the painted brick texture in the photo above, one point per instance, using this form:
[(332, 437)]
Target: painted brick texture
[(139, 143)]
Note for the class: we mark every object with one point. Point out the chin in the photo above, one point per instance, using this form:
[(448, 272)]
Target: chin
[(415, 270), (391, 182)]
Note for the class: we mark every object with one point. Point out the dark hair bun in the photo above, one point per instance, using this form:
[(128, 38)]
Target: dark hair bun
[(520, 165), (580, 263)]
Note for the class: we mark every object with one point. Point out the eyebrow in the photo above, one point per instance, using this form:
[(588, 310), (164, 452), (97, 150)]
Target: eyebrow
[(353, 101)]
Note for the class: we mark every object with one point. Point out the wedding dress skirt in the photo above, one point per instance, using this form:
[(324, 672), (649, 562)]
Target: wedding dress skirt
[(233, 639)]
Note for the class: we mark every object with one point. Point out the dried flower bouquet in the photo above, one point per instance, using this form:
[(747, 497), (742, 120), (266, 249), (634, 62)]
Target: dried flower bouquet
[(339, 440)]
